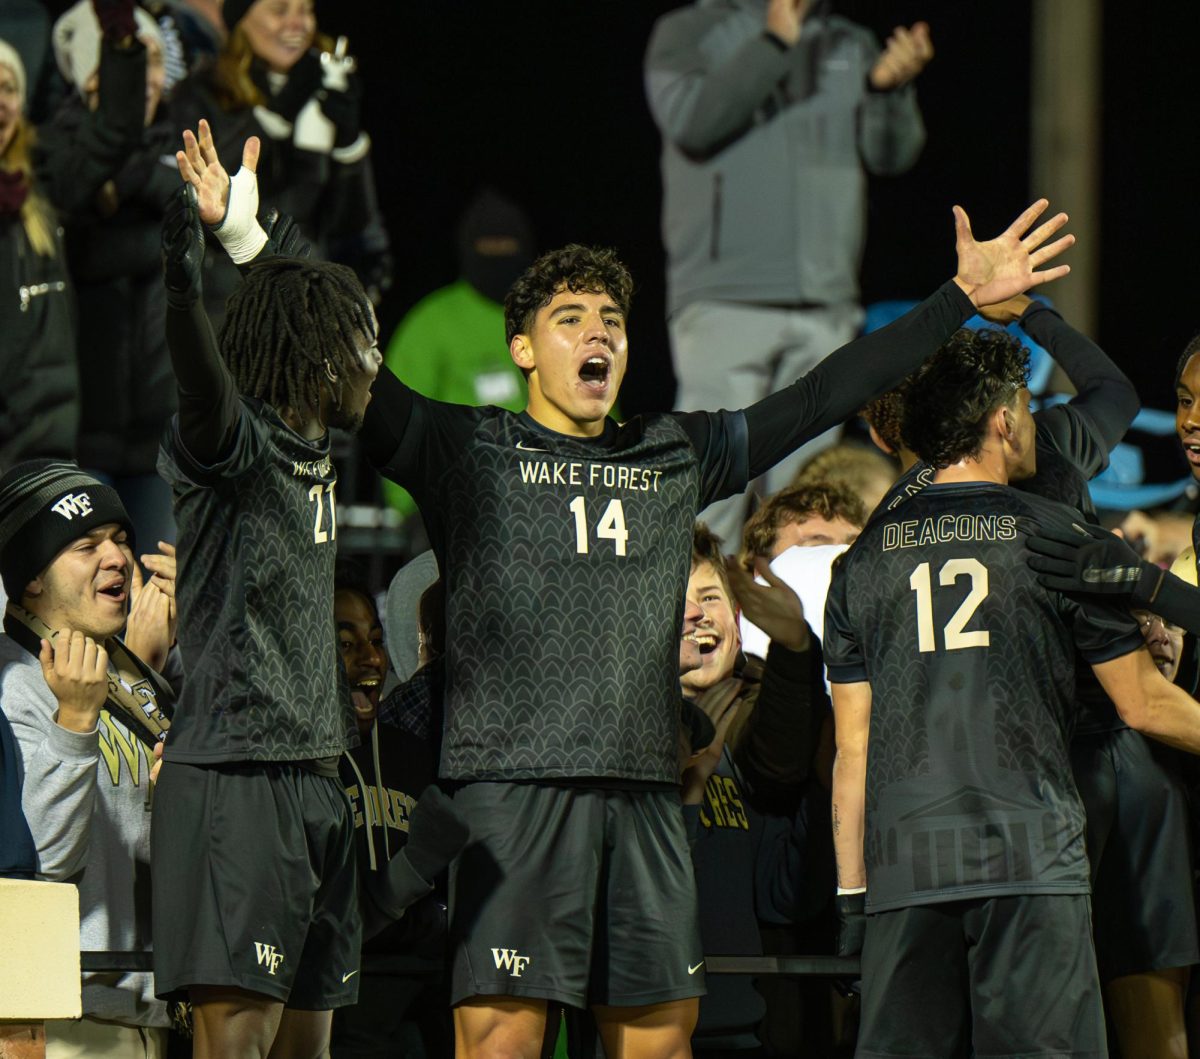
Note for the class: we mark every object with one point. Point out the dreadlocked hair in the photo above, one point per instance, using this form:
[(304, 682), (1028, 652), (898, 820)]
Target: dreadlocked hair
[(289, 324)]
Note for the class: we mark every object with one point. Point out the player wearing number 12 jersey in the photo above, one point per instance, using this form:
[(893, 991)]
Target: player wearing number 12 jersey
[(564, 542), (962, 820)]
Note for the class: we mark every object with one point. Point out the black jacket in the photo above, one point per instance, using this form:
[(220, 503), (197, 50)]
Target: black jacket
[(110, 178)]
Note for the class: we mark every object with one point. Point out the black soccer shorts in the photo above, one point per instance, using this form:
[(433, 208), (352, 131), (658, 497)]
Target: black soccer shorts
[(1139, 846), (574, 894), (255, 883), (1006, 976)]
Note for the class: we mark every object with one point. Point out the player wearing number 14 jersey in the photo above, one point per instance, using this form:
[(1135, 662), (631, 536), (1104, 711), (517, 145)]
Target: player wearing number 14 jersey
[(959, 814), (564, 542)]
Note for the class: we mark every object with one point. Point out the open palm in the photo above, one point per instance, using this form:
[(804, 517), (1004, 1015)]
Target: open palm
[(199, 166), (1000, 268)]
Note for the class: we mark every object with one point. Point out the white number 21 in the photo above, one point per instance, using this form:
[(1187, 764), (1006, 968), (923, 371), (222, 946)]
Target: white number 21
[(320, 535), (611, 526), (954, 636)]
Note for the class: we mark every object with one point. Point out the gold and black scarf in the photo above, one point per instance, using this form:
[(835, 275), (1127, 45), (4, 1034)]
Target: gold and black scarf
[(137, 695)]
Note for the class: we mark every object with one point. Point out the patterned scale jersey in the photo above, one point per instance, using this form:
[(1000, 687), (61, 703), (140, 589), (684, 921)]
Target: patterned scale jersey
[(257, 542), (972, 671), (565, 561), (1070, 452)]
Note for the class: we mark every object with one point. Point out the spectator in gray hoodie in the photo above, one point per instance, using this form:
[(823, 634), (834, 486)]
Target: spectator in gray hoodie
[(87, 714), (772, 112)]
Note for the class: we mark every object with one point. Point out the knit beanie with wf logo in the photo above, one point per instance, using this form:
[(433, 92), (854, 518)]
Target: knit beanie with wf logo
[(44, 506)]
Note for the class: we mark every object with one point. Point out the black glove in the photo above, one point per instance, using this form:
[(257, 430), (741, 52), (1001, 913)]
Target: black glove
[(284, 238), (437, 833), (303, 80), (344, 109), (116, 19), (183, 246), (852, 923), (1090, 560)]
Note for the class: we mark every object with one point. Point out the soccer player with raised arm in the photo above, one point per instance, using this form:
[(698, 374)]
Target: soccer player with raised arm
[(564, 540), (255, 907)]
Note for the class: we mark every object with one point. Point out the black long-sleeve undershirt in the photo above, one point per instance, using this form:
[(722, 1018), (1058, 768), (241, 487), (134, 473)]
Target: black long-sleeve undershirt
[(1104, 393), (208, 397), (779, 424)]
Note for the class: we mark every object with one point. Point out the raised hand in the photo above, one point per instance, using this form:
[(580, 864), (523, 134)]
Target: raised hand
[(1090, 560), (774, 607), (149, 629), (784, 18), (905, 55), (199, 166), (76, 671), (996, 270)]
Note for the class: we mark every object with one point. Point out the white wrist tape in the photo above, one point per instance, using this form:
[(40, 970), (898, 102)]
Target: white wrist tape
[(842, 891), (239, 231)]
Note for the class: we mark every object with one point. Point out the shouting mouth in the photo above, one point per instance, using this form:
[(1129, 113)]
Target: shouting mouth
[(594, 374)]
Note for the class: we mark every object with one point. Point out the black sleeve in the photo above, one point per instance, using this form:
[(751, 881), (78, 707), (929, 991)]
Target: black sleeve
[(843, 655), (1178, 602), (209, 408), (387, 418), (850, 377), (776, 750), (1105, 402)]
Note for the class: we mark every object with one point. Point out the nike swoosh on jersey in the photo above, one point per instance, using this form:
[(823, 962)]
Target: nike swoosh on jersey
[(348, 975), (529, 448), (693, 970)]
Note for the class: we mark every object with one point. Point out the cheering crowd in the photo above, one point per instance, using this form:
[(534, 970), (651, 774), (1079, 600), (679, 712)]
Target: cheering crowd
[(692, 684)]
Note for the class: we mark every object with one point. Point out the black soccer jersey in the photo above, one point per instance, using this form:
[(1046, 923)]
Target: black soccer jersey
[(972, 671), (565, 561), (257, 541)]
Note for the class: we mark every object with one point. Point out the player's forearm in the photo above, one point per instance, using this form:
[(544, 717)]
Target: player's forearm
[(1170, 715), (851, 376), (207, 395), (1177, 602), (849, 817), (1103, 391)]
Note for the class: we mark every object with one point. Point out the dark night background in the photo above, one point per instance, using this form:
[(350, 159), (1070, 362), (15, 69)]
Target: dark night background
[(543, 99)]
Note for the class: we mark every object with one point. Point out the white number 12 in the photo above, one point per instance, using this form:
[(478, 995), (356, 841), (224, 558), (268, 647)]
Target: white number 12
[(950, 572)]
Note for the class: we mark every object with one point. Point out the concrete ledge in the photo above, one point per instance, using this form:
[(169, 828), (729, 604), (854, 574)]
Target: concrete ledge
[(39, 975)]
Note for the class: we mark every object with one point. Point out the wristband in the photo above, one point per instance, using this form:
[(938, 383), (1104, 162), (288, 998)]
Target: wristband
[(842, 891), (239, 231)]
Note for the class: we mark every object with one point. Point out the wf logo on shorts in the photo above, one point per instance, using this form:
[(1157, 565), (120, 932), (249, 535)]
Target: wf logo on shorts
[(73, 504), (269, 956), (511, 961)]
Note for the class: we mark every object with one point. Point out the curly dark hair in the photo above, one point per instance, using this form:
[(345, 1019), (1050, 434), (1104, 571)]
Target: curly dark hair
[(287, 320), (829, 500), (1189, 351), (886, 415), (575, 268), (951, 396)]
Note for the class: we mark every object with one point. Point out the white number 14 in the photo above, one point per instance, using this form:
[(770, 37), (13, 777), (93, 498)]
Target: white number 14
[(611, 526)]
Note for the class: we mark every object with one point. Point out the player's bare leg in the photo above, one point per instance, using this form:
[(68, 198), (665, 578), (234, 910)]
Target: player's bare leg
[(302, 1035), (499, 1027), (1147, 1011), (651, 1031), (233, 1023)]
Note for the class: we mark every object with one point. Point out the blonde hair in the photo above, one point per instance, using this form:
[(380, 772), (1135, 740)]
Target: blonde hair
[(37, 216), (234, 87)]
